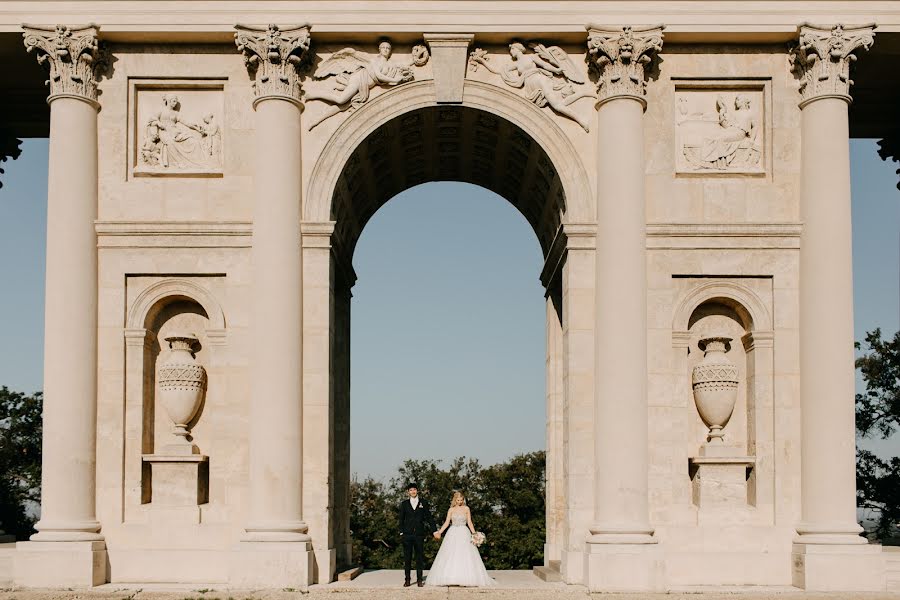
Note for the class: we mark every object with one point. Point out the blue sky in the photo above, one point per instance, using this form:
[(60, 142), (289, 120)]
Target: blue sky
[(448, 312)]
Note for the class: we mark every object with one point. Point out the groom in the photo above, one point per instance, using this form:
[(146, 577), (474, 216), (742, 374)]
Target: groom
[(415, 525)]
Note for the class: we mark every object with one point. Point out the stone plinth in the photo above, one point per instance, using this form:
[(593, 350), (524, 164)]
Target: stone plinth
[(625, 568), (179, 480), (271, 565), (838, 567), (60, 564), (719, 478)]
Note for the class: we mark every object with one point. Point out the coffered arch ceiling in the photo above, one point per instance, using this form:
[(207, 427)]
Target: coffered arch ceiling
[(447, 143)]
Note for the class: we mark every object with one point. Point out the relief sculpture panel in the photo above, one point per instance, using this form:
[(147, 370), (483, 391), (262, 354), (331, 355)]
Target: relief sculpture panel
[(178, 131), (720, 131)]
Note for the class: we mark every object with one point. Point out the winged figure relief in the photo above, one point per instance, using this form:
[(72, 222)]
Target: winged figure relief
[(548, 77), (356, 74)]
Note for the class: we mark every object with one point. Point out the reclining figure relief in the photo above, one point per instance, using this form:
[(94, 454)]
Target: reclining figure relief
[(548, 77), (356, 75)]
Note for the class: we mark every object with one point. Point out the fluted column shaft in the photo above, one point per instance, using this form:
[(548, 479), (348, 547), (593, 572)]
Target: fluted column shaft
[(620, 413), (828, 444), (276, 406), (68, 463)]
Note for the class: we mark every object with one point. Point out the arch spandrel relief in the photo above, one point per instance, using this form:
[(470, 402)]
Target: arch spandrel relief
[(547, 76), (353, 74)]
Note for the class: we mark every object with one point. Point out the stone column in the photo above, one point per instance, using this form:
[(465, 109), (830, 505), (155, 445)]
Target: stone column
[(77, 554), (275, 551), (621, 553), (829, 553)]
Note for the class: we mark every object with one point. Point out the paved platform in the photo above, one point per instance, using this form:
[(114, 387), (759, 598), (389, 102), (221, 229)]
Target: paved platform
[(388, 585)]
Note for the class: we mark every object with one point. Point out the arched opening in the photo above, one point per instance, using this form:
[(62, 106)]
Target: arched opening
[(442, 144)]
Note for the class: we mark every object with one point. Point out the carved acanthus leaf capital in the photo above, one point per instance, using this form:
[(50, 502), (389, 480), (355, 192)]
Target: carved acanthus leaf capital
[(620, 56), (273, 57), (822, 59), (74, 55)]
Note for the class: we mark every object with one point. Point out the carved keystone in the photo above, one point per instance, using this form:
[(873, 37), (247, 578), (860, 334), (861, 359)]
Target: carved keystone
[(273, 57), (822, 59), (449, 56), (619, 55), (74, 56)]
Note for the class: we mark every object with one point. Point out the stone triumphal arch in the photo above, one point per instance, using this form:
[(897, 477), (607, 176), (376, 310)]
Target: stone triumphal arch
[(685, 168)]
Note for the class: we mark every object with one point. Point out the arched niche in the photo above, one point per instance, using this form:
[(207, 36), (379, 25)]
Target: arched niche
[(165, 306), (730, 309)]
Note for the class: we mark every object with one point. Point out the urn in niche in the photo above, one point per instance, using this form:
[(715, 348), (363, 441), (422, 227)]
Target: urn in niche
[(715, 383), (181, 385)]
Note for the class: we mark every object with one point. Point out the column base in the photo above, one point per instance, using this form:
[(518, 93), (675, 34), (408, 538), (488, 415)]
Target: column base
[(325, 565), (838, 567), (60, 564), (624, 568), (271, 565)]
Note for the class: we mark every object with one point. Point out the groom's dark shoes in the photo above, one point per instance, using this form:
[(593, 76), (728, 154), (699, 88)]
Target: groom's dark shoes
[(406, 583), (420, 583)]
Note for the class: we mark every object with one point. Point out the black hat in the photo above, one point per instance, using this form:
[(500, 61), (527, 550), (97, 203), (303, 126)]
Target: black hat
[(412, 484)]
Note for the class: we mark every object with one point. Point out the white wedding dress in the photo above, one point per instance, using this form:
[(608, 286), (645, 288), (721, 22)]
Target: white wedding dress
[(458, 561)]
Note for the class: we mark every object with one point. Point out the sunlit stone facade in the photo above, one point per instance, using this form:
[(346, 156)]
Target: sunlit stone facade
[(684, 166)]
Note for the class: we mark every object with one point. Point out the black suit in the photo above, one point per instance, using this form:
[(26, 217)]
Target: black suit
[(414, 526)]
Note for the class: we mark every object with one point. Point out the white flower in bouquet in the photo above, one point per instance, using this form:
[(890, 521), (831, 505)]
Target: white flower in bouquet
[(478, 538)]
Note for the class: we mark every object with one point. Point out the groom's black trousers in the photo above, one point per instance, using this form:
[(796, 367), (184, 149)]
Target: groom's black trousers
[(410, 543)]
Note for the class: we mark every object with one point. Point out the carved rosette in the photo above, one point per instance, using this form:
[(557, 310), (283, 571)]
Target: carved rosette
[(75, 58), (273, 57), (822, 59), (620, 56)]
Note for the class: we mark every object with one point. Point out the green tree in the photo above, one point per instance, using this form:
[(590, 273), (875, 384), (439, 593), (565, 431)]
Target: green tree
[(20, 460), (878, 412)]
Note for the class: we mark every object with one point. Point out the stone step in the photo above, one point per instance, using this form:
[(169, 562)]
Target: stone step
[(349, 574), (547, 574), (556, 565)]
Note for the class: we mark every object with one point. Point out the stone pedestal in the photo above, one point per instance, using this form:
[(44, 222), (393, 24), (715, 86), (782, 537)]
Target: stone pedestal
[(719, 479), (625, 567), (179, 480), (60, 564), (272, 565), (838, 567)]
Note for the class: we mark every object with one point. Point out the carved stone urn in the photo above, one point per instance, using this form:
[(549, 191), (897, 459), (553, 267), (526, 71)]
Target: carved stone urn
[(715, 382), (181, 384)]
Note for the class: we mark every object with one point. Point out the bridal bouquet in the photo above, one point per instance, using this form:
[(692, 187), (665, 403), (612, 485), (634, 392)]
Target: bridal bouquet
[(478, 538)]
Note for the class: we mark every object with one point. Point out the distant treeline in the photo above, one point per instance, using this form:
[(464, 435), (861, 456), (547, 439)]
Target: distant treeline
[(506, 499)]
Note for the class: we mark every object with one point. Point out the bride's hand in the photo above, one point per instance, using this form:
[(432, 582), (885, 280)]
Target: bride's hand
[(437, 535)]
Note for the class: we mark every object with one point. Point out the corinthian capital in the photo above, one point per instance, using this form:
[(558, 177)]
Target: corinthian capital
[(822, 59), (74, 56), (619, 55), (273, 57)]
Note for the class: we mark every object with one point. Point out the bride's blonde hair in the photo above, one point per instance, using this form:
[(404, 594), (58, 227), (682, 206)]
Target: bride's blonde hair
[(457, 494)]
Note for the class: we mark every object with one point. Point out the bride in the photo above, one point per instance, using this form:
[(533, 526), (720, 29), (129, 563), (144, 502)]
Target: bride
[(458, 561)]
